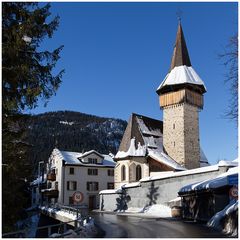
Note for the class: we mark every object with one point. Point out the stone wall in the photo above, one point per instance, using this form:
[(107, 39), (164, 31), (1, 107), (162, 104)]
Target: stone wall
[(181, 134), (153, 192)]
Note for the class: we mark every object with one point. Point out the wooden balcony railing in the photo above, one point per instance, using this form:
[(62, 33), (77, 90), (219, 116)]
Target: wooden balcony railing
[(51, 176)]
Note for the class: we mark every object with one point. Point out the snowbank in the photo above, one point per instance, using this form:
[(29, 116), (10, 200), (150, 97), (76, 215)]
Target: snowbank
[(157, 210)]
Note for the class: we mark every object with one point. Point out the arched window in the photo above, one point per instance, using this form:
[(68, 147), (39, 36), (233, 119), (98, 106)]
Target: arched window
[(138, 172), (123, 173)]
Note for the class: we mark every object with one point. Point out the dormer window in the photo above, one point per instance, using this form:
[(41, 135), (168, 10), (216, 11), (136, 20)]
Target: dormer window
[(92, 160)]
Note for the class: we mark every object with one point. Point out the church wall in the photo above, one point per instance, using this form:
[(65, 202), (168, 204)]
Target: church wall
[(130, 170)]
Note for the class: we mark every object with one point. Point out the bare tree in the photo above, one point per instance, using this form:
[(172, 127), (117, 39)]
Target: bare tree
[(230, 58)]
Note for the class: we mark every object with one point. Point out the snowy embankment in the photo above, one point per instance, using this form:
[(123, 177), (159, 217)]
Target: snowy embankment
[(226, 220)]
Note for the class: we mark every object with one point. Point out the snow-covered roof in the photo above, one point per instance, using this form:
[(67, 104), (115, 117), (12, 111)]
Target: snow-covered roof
[(129, 185), (213, 183), (140, 151), (73, 158), (165, 159), (111, 191), (90, 152), (180, 75)]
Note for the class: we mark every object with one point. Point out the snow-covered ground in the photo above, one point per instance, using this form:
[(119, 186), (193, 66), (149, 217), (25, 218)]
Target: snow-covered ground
[(156, 210)]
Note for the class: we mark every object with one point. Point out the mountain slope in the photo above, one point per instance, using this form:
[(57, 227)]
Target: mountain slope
[(72, 131)]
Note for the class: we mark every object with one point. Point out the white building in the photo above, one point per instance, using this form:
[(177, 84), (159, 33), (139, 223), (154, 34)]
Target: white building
[(76, 178)]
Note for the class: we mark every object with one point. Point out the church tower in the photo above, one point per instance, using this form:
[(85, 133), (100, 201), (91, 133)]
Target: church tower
[(181, 98)]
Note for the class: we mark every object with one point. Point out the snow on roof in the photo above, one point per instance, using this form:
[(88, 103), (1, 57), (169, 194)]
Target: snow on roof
[(181, 173), (132, 151), (165, 159), (223, 163), (134, 184), (73, 158), (180, 75), (152, 137), (146, 130), (110, 191), (89, 152), (213, 183)]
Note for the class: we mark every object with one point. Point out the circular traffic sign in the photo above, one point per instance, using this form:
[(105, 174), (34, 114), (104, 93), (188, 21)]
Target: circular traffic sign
[(77, 197)]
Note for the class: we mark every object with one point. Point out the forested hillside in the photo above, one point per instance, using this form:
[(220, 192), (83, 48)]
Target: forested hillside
[(72, 131)]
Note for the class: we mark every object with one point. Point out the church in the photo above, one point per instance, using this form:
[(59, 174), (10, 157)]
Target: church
[(150, 146)]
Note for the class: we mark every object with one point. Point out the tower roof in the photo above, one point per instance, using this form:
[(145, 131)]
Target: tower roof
[(180, 53), (181, 73)]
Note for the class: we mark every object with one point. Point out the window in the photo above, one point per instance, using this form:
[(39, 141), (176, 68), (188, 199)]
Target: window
[(174, 126), (110, 185), (56, 185), (92, 172), (123, 173), (92, 186), (110, 172), (71, 185), (71, 170), (70, 201), (92, 160), (138, 172)]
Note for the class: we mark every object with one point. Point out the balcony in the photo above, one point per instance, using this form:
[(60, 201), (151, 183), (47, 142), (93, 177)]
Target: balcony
[(51, 177), (50, 193)]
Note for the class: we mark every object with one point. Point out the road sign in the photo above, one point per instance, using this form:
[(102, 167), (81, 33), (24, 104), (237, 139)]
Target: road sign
[(77, 197)]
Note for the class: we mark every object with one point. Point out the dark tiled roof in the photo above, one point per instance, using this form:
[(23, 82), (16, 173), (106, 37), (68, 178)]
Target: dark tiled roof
[(141, 128), (180, 53)]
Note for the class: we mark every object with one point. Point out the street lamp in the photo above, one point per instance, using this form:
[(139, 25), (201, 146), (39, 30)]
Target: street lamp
[(39, 169)]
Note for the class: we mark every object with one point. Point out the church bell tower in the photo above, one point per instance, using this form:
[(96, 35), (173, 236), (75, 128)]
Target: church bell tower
[(181, 98)]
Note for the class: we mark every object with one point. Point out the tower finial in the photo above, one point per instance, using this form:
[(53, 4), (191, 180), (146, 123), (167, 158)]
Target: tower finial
[(179, 15)]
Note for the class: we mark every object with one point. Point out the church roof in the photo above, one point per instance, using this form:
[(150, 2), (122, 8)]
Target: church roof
[(144, 137), (146, 131), (181, 71)]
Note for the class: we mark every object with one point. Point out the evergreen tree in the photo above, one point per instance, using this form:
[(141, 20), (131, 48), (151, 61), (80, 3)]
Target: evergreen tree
[(26, 77)]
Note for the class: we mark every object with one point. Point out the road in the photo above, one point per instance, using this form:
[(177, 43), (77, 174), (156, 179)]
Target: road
[(117, 226)]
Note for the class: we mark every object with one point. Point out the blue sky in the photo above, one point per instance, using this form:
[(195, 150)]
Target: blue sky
[(116, 55)]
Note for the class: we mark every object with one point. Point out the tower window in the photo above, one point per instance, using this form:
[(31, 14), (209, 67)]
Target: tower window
[(174, 126), (174, 144)]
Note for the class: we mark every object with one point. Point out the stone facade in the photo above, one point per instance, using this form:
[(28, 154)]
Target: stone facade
[(181, 134)]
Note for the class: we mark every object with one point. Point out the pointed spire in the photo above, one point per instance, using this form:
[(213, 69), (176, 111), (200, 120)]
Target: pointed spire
[(180, 53)]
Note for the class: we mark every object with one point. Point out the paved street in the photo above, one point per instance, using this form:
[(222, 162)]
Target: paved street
[(135, 227)]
